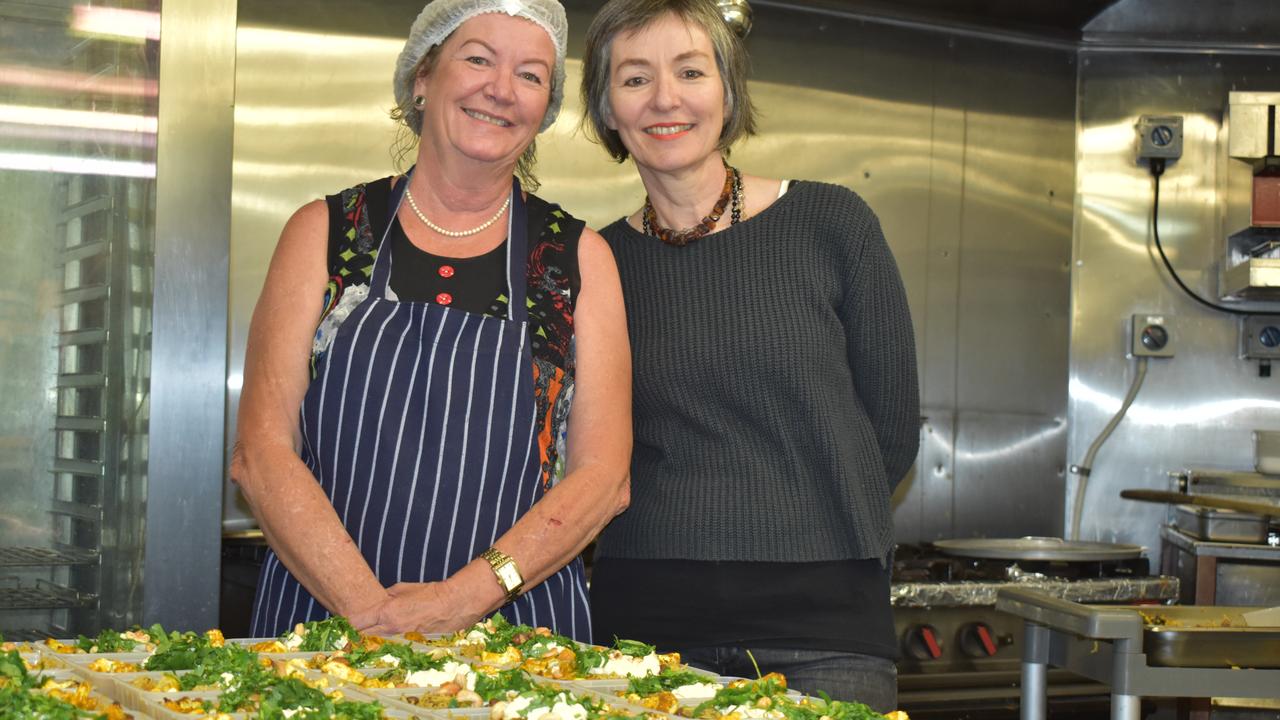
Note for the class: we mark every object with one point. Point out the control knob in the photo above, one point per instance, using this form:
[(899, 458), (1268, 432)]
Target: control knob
[(922, 642), (978, 641)]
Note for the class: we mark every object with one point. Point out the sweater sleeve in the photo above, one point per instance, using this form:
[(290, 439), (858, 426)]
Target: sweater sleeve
[(881, 341)]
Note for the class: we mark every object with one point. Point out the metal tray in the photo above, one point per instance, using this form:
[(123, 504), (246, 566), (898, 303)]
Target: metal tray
[(1207, 636), (1037, 548), (1217, 525)]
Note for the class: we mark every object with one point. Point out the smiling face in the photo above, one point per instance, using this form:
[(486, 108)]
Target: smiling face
[(666, 98), (488, 89)]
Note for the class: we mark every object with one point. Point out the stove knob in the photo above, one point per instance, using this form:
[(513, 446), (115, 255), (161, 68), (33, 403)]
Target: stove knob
[(922, 642), (978, 641)]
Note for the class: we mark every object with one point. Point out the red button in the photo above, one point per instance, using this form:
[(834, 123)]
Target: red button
[(444, 298), (446, 271)]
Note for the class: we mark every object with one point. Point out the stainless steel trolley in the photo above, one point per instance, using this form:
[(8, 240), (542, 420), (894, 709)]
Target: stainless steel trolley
[(1148, 651)]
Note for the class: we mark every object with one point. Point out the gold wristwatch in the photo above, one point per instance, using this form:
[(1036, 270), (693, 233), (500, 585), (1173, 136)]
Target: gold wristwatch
[(506, 571)]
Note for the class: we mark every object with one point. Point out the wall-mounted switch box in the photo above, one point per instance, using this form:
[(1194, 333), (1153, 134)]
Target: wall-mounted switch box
[(1160, 136), (1260, 337), (1152, 336)]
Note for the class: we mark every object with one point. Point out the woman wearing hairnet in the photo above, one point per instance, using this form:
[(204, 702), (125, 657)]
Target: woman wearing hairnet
[(425, 349), (776, 403)]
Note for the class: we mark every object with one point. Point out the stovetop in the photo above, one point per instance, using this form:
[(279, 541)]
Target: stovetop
[(925, 578), (923, 563)]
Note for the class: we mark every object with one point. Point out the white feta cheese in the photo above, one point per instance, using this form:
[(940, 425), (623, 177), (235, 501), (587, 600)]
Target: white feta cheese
[(751, 711), (293, 641), (627, 666), (561, 709), (697, 692), (514, 708), (448, 673), (391, 660), (568, 711)]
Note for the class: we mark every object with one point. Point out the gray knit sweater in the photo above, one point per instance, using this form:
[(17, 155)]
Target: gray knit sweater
[(776, 402)]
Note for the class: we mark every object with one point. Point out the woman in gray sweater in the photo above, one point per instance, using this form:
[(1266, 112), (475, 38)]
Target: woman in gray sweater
[(776, 404)]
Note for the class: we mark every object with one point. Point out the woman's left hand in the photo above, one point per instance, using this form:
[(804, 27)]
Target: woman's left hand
[(424, 607)]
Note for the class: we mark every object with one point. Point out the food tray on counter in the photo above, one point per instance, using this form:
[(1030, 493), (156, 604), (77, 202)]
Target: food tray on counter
[(158, 710), (1207, 636), (96, 694), (1216, 525), (609, 686)]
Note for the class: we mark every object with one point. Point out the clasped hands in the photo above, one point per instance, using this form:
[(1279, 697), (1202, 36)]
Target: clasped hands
[(431, 607)]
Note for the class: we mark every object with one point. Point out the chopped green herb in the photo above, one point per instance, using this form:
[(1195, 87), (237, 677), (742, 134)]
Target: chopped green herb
[(333, 633)]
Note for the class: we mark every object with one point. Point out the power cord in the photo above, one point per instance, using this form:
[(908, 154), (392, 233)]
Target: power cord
[(1156, 167), (1085, 468)]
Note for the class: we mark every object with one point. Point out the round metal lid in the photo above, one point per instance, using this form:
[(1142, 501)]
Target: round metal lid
[(1037, 548)]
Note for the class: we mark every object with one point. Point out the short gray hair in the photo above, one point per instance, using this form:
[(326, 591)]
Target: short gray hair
[(621, 16)]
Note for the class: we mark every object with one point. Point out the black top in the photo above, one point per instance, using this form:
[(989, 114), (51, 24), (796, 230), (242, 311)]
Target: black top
[(679, 604), (776, 407), (775, 400), (471, 283)]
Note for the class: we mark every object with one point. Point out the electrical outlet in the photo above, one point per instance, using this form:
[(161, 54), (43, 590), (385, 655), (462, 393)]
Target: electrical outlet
[(1152, 336), (1260, 337), (1160, 136)]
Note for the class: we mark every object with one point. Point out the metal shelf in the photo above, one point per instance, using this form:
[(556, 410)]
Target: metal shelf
[(76, 423), (86, 293), (82, 251), (29, 635), (45, 557), (41, 596), (84, 511), (95, 336), (86, 207), (82, 380), (77, 467)]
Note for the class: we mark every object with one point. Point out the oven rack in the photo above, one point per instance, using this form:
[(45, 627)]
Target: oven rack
[(46, 557), (14, 595)]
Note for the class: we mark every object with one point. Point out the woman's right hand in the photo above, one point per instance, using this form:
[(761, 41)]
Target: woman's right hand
[(430, 607), (366, 619)]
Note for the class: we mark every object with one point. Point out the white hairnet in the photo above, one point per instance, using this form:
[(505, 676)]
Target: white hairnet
[(441, 17)]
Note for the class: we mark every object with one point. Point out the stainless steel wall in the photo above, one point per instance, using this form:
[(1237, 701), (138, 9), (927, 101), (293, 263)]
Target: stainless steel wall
[(1198, 408), (963, 144)]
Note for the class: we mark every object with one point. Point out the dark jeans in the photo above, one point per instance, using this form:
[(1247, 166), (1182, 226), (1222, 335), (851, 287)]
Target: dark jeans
[(868, 679)]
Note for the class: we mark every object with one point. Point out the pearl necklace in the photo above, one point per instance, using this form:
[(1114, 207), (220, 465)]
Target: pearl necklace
[(455, 233)]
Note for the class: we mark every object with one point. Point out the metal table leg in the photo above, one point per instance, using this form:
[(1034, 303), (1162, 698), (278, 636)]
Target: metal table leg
[(1126, 707), (1035, 672)]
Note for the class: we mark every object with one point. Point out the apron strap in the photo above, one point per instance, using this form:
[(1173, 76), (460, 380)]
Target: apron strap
[(382, 265), (517, 256)]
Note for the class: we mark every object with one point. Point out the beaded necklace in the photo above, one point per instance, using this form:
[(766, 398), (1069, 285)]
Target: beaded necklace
[(730, 196), (455, 233)]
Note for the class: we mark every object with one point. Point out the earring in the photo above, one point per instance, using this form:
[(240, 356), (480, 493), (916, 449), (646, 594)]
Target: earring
[(419, 101)]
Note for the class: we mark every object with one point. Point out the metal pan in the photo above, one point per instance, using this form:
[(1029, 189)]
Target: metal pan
[(1037, 548), (1207, 636)]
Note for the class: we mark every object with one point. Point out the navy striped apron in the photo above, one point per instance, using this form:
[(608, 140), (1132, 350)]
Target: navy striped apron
[(420, 426)]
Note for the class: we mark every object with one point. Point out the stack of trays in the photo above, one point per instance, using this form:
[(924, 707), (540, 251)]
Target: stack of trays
[(49, 676)]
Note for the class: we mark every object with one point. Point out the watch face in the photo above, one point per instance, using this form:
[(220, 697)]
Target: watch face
[(510, 576)]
